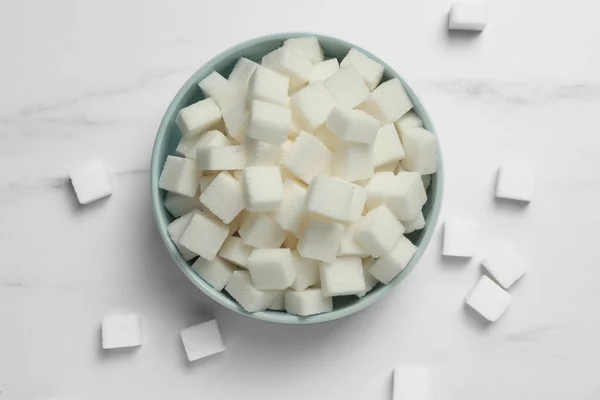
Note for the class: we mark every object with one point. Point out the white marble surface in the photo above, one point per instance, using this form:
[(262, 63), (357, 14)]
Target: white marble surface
[(92, 79)]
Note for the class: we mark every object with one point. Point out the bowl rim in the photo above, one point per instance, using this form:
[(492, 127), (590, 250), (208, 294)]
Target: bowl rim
[(274, 316)]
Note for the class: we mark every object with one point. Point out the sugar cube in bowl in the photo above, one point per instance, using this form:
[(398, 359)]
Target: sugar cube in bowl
[(169, 135)]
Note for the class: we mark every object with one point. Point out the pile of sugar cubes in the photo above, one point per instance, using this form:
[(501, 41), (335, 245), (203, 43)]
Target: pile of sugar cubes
[(296, 179)]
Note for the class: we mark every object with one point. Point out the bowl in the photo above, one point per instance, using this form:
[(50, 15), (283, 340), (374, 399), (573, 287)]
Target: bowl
[(169, 135)]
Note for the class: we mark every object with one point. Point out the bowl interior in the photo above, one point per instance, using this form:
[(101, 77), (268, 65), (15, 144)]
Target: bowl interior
[(168, 136)]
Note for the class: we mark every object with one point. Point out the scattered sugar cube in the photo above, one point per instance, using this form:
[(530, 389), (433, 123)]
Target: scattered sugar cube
[(420, 147), (176, 228), (370, 70), (411, 383), (121, 330), (90, 182), (515, 182), (198, 117), (260, 230), (331, 197), (307, 271), (408, 120), (370, 281), (178, 205), (179, 175), (204, 235), (268, 86), (236, 117), (216, 272), (291, 63), (387, 147), (343, 276), (469, 15), (309, 47), (379, 188), (235, 251), (320, 239), (391, 264), (241, 73), (261, 153), (202, 340), (353, 161), (407, 196), (347, 88), (219, 88), (224, 197), (323, 70), (353, 125), (350, 246), (269, 122), (263, 189), (504, 264), (221, 158), (488, 299), (291, 211), (312, 106), (308, 157), (388, 102), (310, 301), (379, 231), (210, 138), (278, 303), (415, 224), (241, 288), (291, 241), (271, 269), (459, 237)]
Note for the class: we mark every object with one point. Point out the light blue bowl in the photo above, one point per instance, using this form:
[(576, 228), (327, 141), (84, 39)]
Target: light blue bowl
[(168, 136)]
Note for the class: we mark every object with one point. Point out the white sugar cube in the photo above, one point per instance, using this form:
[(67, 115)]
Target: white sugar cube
[(291, 63), (291, 211), (241, 73), (121, 330), (271, 269), (312, 106), (389, 167), (515, 182), (391, 264), (216, 272), (90, 182), (278, 302), (347, 88), (370, 70), (459, 237), (218, 88), (205, 182), (261, 153), (504, 264), (260, 230), (198, 117), (178, 205), (323, 70), (204, 235), (488, 299), (388, 102), (411, 383), (179, 175), (290, 242), (175, 230), (343, 276), (309, 47), (420, 147), (408, 120), (238, 221), (269, 122), (414, 224), (224, 197), (469, 15), (350, 246), (202, 340), (357, 206), (269, 86), (308, 157), (307, 271), (207, 139), (379, 188), (263, 189), (320, 239), (353, 125), (307, 302), (236, 116), (235, 251), (184, 145), (407, 196), (370, 280), (353, 161), (331, 197), (387, 147), (378, 231), (241, 288), (221, 158), (329, 139)]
